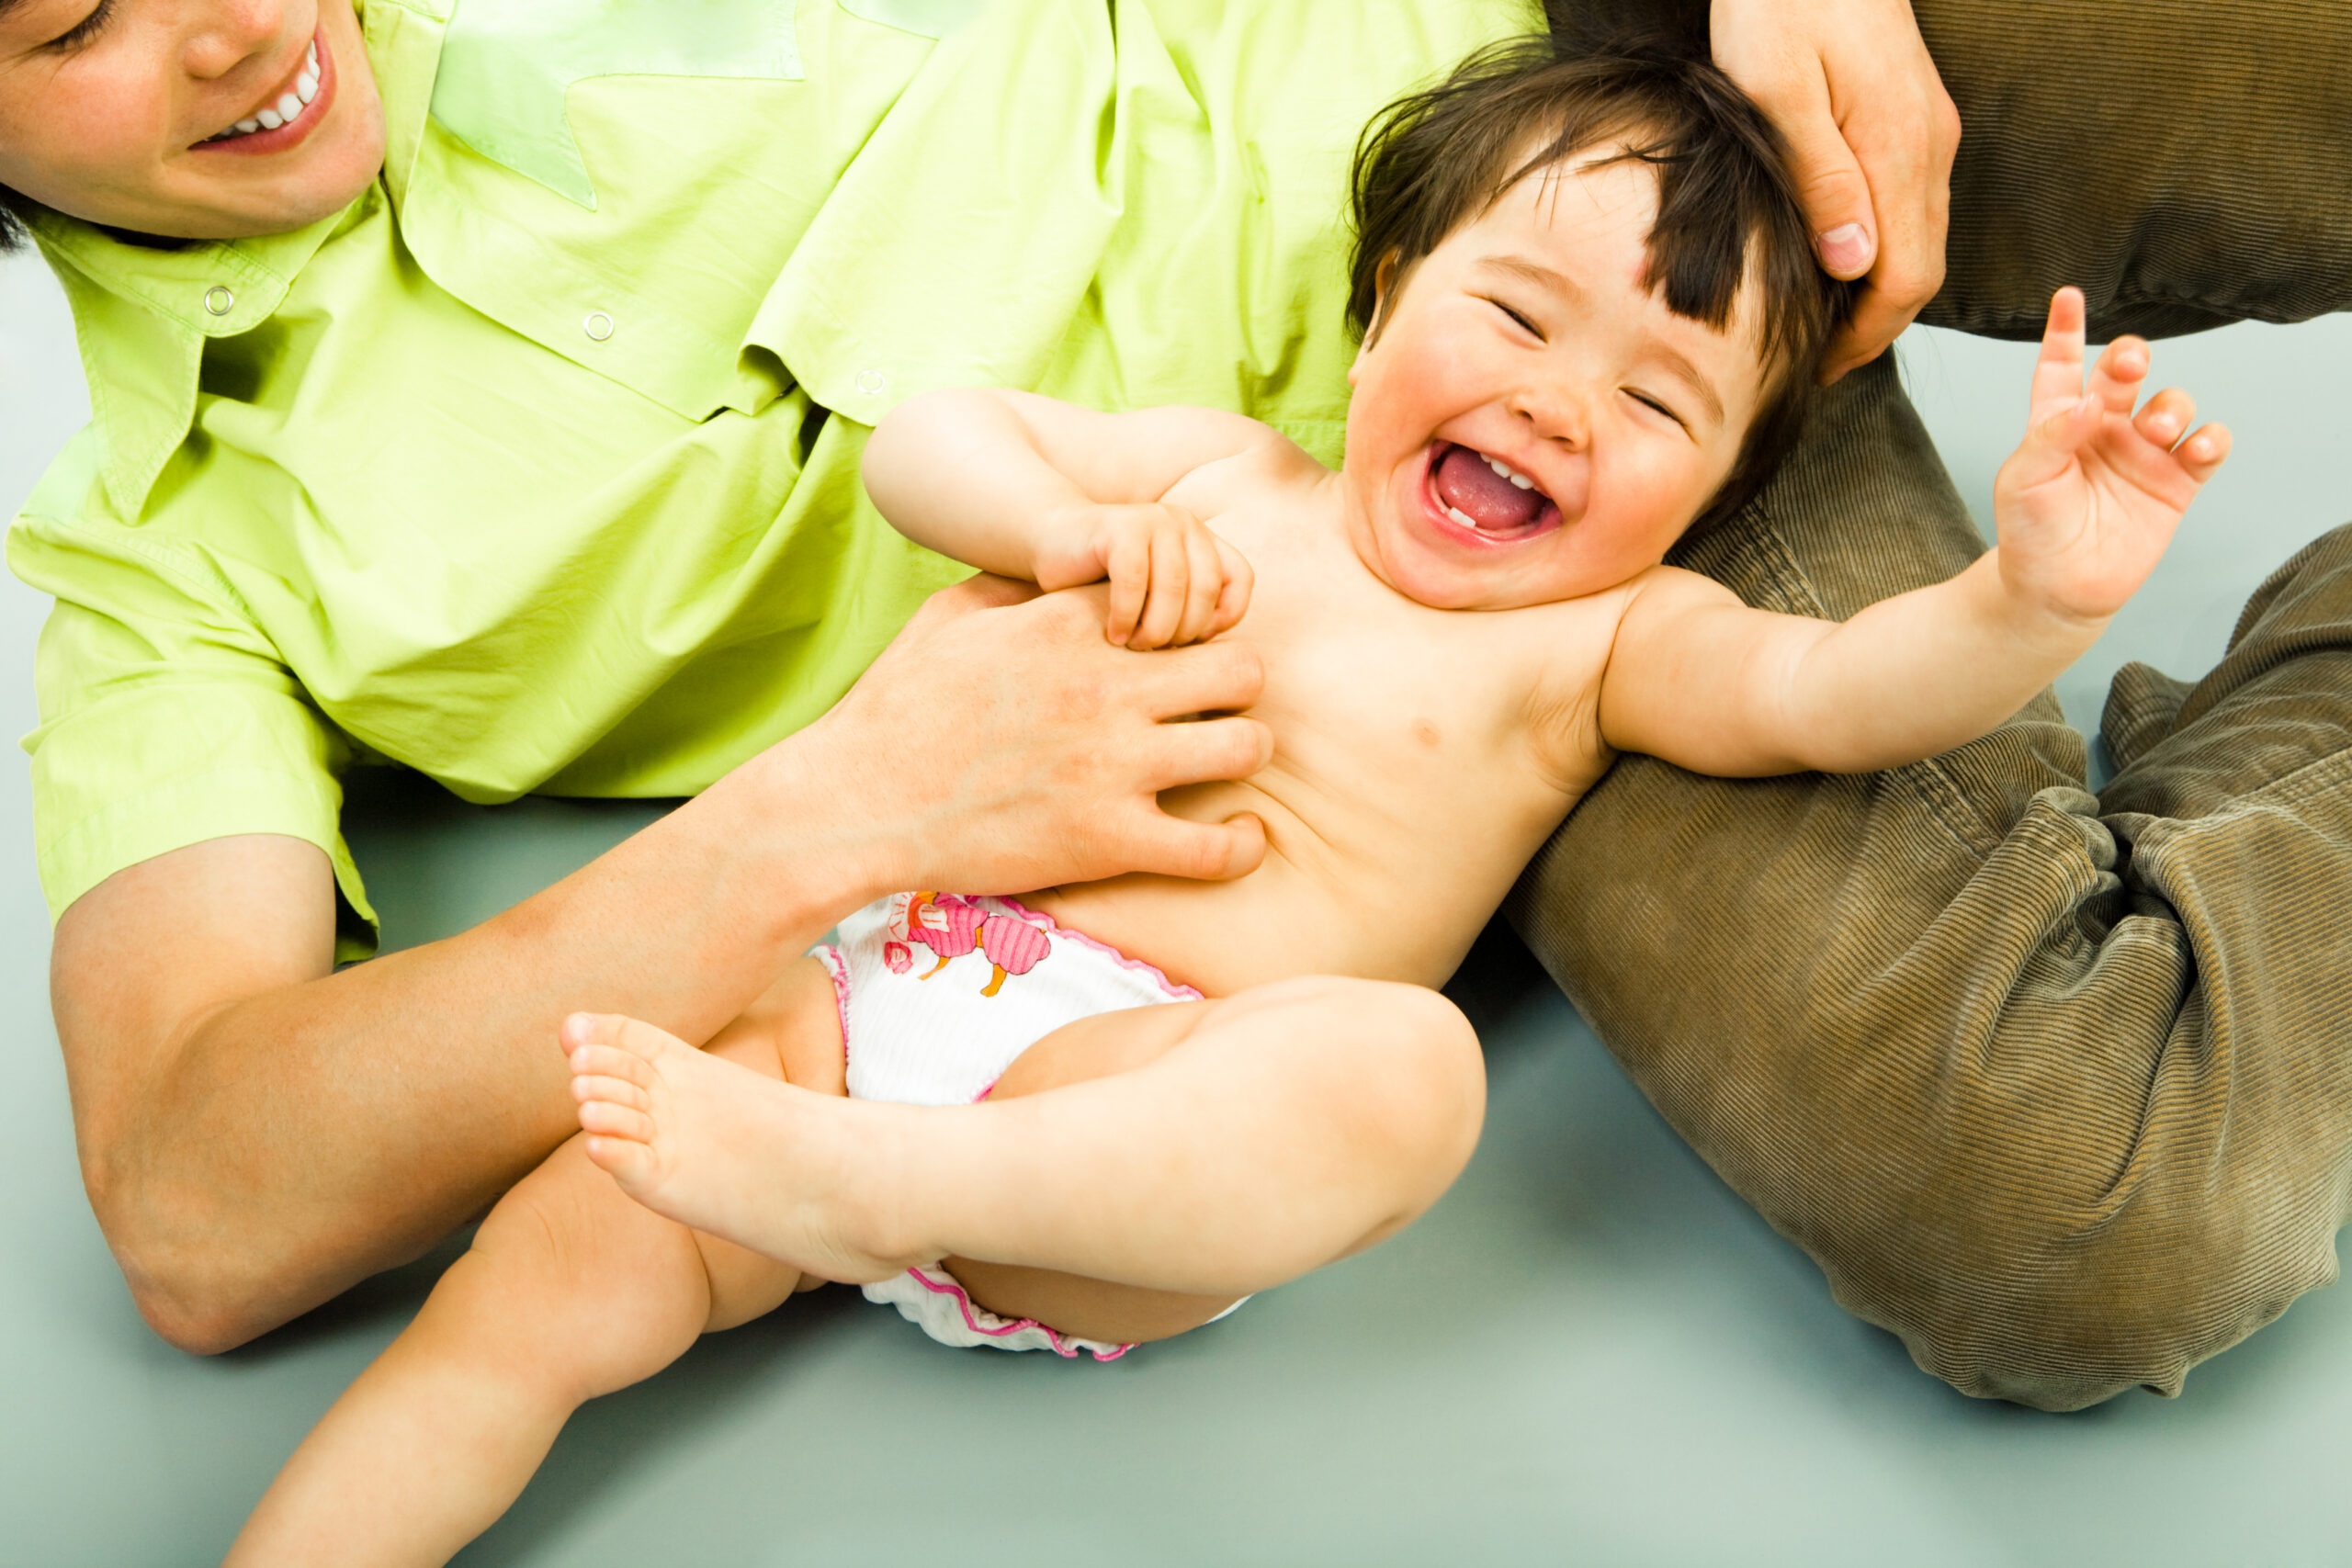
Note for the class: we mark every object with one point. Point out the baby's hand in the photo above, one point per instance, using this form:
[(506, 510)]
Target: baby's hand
[(2088, 501), (1172, 581)]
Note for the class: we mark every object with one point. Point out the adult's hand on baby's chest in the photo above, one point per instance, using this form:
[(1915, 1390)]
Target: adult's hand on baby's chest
[(1003, 744)]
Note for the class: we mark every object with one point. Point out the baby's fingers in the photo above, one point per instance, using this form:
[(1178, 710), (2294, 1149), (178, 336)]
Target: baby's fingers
[(2051, 444), (2204, 452), (2058, 372), (2122, 366), (1233, 598), (2168, 413), (1163, 611), (1205, 580), (1129, 566)]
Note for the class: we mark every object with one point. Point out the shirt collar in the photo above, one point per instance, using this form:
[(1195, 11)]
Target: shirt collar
[(143, 314)]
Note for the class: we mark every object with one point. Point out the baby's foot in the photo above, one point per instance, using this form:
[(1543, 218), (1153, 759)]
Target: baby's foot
[(717, 1147)]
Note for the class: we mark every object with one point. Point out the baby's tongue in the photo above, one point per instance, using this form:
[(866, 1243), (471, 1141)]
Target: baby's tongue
[(1468, 484)]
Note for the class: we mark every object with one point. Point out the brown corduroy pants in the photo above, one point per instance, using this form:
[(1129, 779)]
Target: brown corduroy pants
[(2057, 1086)]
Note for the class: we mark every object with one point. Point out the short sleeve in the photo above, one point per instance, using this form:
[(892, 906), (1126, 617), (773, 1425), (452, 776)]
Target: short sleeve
[(166, 719)]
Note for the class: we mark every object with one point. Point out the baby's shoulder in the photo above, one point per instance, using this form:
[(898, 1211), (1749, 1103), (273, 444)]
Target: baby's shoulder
[(1257, 465)]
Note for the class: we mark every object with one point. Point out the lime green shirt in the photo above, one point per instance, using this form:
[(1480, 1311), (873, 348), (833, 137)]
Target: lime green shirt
[(535, 470)]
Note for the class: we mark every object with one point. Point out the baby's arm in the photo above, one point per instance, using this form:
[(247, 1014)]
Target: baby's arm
[(1055, 494), (2085, 508)]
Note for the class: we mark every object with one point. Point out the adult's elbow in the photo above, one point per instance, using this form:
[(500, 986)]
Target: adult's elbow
[(192, 1287)]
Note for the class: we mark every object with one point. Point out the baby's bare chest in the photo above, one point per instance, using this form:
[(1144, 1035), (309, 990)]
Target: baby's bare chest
[(1422, 712)]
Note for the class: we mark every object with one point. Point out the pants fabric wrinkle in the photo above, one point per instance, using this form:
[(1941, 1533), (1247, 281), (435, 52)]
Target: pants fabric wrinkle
[(2052, 1085)]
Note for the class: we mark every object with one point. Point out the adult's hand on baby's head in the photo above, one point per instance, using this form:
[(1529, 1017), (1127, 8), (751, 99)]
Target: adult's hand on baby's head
[(1870, 133), (1001, 744), (2091, 497)]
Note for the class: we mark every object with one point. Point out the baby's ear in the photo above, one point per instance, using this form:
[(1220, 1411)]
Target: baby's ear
[(1384, 295)]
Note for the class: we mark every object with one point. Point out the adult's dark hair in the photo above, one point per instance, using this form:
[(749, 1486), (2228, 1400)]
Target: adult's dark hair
[(12, 227), (1433, 162)]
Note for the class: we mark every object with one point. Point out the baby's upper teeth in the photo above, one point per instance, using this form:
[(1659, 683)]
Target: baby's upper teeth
[(1507, 471)]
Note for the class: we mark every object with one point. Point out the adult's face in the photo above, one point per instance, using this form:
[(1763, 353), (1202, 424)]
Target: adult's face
[(133, 113)]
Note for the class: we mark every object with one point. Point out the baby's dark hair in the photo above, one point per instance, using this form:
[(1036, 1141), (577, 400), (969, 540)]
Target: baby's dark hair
[(1433, 162)]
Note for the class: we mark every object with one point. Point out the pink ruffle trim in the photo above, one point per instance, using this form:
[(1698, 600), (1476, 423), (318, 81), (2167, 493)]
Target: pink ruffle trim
[(1179, 992), (946, 1286)]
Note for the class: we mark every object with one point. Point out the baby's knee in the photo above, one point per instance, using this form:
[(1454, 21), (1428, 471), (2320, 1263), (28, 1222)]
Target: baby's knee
[(603, 1292), (1412, 1072)]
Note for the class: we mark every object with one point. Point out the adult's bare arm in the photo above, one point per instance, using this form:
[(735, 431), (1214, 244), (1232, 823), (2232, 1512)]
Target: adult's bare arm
[(1872, 133), (256, 1133)]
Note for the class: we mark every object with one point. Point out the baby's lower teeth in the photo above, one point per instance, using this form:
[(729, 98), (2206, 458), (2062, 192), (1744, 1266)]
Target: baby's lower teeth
[(1464, 518)]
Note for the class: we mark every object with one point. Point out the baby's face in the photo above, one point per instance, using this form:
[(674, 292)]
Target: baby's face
[(1531, 423), (115, 110)]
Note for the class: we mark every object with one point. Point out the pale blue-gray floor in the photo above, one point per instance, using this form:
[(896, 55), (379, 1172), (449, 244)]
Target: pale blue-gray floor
[(1591, 1352)]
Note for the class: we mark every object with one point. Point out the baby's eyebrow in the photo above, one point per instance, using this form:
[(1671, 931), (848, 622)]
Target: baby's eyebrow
[(1520, 267), (1677, 365)]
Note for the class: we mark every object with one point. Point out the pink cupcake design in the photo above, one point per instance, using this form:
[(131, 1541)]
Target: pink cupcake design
[(1014, 946), (944, 923)]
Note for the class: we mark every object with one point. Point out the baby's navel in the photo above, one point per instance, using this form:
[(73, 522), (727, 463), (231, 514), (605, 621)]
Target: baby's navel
[(1425, 732)]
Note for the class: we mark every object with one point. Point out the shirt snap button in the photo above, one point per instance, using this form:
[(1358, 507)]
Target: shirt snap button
[(219, 301), (597, 325), (872, 381)]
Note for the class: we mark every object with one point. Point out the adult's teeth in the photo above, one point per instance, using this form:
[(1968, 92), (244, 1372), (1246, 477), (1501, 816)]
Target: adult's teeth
[(288, 107), (306, 87), (271, 119), (249, 125)]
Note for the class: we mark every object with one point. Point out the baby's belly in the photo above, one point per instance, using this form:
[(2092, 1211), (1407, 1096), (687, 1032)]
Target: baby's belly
[(1403, 920)]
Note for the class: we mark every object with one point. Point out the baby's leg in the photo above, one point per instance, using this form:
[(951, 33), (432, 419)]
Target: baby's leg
[(569, 1291), (1207, 1149)]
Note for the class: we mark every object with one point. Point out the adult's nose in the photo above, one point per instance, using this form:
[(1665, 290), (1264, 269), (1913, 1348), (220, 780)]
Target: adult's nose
[(217, 36)]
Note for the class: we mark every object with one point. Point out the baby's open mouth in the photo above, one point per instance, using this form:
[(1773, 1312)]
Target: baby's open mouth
[(1488, 496)]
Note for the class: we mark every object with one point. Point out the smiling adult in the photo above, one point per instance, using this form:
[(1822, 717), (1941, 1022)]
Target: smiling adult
[(497, 413)]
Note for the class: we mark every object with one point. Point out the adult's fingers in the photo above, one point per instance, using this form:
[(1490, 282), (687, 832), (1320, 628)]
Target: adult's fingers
[(1208, 677), (1204, 852), (981, 591), (1205, 749), (1904, 138), (1016, 748), (1830, 177), (1870, 133)]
